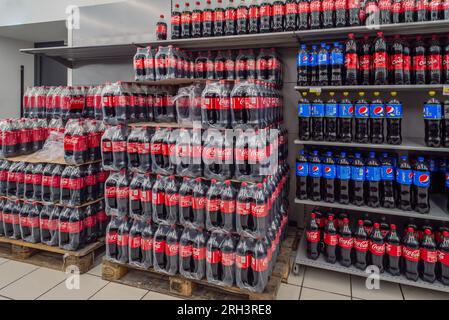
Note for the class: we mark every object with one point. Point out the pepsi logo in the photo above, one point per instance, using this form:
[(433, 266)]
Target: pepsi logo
[(362, 110), (301, 168), (315, 169), (327, 170), (378, 111), (424, 178), (410, 175), (304, 58), (351, 110), (389, 109), (389, 170)]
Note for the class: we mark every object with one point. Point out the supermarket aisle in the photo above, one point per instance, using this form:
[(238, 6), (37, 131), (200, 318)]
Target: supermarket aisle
[(23, 281)]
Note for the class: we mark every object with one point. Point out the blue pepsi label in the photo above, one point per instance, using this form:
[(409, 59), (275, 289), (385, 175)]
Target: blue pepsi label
[(318, 110), (433, 165), (361, 111), (387, 173), (315, 170), (345, 110), (432, 112), (303, 60), (343, 172), (304, 110), (337, 58), (404, 176), (377, 111), (331, 110), (421, 179), (323, 59), (329, 171), (313, 60), (302, 169), (373, 173), (394, 111), (358, 173)]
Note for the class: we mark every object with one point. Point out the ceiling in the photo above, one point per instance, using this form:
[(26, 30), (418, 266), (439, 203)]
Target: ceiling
[(36, 32)]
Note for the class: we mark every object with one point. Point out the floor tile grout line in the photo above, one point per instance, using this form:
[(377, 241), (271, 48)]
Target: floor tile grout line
[(51, 288), (337, 294), (37, 268), (302, 282), (350, 285), (402, 292), (90, 297), (6, 297)]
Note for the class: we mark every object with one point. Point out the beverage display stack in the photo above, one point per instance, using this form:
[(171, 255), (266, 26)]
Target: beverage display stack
[(370, 153), (51, 182)]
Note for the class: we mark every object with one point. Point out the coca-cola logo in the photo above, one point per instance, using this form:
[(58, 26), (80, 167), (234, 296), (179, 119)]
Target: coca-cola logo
[(378, 248), (201, 202), (313, 236), (424, 178), (346, 242), (173, 198), (379, 59), (362, 245), (411, 254)]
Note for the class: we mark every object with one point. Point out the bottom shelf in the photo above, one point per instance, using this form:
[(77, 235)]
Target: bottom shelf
[(320, 263)]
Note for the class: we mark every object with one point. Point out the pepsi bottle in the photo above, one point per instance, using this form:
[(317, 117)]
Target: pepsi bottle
[(302, 173), (361, 120), (345, 119), (315, 175), (373, 176), (329, 175), (358, 174), (387, 187), (393, 112), (432, 120), (421, 185), (304, 114), (330, 119), (317, 129), (376, 121), (343, 178), (404, 180)]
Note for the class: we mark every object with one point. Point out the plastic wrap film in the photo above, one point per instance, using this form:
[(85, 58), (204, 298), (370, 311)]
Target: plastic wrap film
[(220, 255), (192, 253), (166, 249), (188, 104)]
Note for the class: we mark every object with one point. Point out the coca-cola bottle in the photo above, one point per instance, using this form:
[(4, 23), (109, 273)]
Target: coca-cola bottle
[(429, 257), (380, 60), (254, 17), (291, 15), (135, 242), (147, 244), (419, 61), (197, 21), (377, 247), (341, 12), (242, 18), (208, 20), (123, 240), (278, 16), (397, 61), (354, 13), (361, 246), (345, 244), (443, 258), (330, 240), (219, 19), (176, 23), (266, 15), (411, 254), (434, 62), (316, 14), (303, 14), (186, 22), (351, 61), (161, 29), (393, 251)]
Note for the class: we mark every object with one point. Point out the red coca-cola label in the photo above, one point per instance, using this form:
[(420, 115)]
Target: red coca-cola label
[(134, 242), (243, 262), (73, 183), (199, 254), (377, 248), (361, 245), (53, 225), (122, 240), (132, 147), (380, 60), (328, 5), (110, 192), (243, 208), (411, 254), (260, 210), (278, 9), (75, 227), (227, 206), (156, 148), (353, 4), (434, 62), (199, 203), (341, 5), (158, 198), (197, 17), (122, 192), (313, 236), (364, 63), (242, 13), (146, 244), (421, 5), (443, 257), (171, 200), (135, 195), (207, 16), (185, 251), (260, 264), (419, 63), (119, 146), (90, 222), (111, 238), (315, 5), (75, 143), (228, 259), (161, 28), (176, 20), (24, 222), (346, 243), (266, 11), (253, 13), (304, 7), (213, 257), (384, 5), (241, 154), (331, 239), (106, 146), (146, 196), (213, 205), (291, 8), (186, 18), (351, 61), (219, 15), (159, 246), (143, 148), (393, 250), (429, 256), (397, 61), (148, 63), (138, 64), (172, 249)]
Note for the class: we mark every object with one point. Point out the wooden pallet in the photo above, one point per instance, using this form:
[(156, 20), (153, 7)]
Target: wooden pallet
[(50, 257), (196, 289)]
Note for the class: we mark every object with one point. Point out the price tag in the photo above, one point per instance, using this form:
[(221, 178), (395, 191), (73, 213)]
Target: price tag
[(315, 90), (446, 90)]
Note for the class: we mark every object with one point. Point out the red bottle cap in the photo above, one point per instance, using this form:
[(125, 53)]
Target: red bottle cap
[(393, 227), (361, 223), (331, 218), (410, 230), (428, 232), (313, 215), (376, 225), (445, 234)]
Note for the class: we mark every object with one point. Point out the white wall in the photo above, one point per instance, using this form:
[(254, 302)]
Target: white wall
[(16, 12), (10, 63)]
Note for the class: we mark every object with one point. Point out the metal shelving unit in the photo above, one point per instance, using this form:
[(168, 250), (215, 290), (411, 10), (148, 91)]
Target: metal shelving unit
[(408, 144), (301, 259), (437, 209), (73, 57), (398, 88)]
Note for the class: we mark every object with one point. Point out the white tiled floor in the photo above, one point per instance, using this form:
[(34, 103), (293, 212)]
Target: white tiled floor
[(23, 281)]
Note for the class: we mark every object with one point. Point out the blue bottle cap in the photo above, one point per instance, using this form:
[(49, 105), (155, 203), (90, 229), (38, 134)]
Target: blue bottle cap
[(343, 154), (329, 154), (404, 158), (358, 155), (421, 159), (315, 153), (323, 44)]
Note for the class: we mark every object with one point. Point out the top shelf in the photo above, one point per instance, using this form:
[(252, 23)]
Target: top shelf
[(73, 57)]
